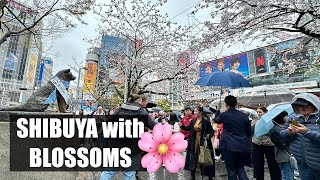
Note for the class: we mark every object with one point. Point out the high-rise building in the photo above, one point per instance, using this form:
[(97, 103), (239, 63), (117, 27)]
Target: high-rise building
[(113, 50), (19, 58)]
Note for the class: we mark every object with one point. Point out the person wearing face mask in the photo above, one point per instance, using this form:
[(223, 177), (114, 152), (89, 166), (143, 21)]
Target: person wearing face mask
[(262, 147), (281, 146), (303, 130)]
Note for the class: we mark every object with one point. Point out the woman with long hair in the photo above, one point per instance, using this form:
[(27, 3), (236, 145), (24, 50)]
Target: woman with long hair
[(200, 131)]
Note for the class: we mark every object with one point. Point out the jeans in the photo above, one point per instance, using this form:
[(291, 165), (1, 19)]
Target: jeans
[(286, 171), (306, 173), (127, 175), (234, 162)]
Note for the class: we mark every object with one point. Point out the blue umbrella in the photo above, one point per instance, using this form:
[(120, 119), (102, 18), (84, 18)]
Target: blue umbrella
[(265, 123), (223, 79)]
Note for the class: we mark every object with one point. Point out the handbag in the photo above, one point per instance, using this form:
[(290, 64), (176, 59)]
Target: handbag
[(205, 155), (293, 161)]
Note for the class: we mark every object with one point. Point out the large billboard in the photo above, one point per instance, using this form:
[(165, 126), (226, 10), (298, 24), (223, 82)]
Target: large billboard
[(236, 63), (44, 62), (40, 74), (186, 59), (16, 8), (261, 60), (290, 61), (90, 77), (11, 62), (32, 68), (285, 55)]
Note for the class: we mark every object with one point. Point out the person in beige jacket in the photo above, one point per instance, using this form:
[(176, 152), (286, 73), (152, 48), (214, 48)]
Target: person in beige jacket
[(263, 147)]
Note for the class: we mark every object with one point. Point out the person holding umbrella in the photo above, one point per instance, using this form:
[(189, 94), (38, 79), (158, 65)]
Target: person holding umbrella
[(304, 134)]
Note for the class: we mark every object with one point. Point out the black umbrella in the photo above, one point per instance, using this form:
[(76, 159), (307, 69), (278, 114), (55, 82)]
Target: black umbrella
[(151, 104), (206, 110), (156, 109), (213, 110)]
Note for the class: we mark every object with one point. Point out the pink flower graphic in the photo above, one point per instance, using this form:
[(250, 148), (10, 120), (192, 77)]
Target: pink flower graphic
[(163, 147)]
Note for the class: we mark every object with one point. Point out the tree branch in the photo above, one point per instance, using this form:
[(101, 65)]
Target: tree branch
[(9, 33), (152, 92)]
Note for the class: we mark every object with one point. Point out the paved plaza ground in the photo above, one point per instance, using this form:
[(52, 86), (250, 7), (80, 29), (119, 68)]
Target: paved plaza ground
[(163, 174)]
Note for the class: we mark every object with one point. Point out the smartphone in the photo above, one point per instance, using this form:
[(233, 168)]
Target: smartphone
[(294, 122)]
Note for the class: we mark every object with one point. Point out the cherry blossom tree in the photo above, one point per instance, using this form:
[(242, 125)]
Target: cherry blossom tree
[(147, 57), (238, 20), (40, 18)]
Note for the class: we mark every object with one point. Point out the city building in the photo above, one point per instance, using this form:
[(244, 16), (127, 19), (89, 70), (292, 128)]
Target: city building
[(113, 50), (19, 58)]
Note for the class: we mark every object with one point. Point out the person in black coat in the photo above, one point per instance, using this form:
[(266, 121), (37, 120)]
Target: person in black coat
[(200, 130), (134, 107), (234, 141)]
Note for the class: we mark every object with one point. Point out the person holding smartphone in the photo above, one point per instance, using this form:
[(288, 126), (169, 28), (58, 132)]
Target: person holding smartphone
[(303, 130)]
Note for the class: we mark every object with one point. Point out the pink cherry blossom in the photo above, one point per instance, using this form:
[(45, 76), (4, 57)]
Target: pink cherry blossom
[(163, 147)]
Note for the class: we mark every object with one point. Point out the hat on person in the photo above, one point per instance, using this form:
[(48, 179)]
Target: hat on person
[(301, 102)]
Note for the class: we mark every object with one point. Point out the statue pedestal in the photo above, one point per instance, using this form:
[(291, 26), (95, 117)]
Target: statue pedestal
[(5, 172)]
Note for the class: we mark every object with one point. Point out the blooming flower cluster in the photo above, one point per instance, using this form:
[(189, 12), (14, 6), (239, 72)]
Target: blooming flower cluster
[(163, 147)]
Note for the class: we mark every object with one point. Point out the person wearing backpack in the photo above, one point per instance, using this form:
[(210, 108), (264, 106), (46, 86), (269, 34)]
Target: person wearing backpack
[(134, 107)]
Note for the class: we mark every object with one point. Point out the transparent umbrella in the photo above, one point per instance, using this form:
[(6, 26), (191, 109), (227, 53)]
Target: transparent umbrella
[(265, 95)]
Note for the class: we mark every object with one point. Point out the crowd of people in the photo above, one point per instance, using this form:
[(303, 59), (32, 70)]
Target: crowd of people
[(292, 144)]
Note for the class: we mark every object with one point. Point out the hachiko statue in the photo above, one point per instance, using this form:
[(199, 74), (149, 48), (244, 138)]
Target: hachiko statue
[(37, 101)]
